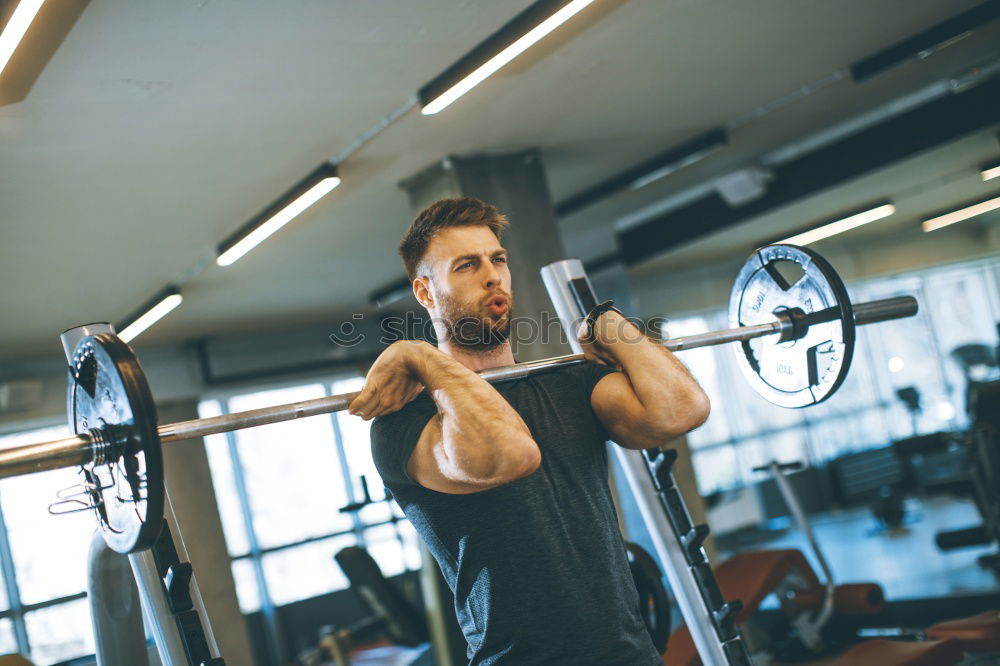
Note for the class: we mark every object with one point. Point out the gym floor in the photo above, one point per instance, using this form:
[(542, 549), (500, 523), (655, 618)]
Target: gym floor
[(906, 562)]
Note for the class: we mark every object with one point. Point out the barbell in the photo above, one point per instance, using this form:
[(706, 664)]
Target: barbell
[(796, 339)]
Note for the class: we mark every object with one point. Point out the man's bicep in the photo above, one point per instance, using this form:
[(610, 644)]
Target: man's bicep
[(620, 412)]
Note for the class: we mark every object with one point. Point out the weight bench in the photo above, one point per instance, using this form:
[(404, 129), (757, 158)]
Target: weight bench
[(882, 652), (753, 576)]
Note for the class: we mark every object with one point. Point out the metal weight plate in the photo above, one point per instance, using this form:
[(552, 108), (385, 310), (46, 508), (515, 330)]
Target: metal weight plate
[(804, 371), (109, 400)]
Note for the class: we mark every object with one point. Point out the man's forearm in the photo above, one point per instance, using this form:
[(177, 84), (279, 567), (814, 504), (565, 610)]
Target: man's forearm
[(481, 433)]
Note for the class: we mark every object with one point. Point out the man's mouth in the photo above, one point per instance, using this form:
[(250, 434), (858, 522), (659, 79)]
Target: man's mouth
[(498, 306)]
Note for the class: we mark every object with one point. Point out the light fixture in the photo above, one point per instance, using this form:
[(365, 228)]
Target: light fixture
[(649, 171), (304, 194), (511, 40), (841, 225), (961, 214), (989, 171), (390, 293), (14, 31), (896, 364), (149, 314)]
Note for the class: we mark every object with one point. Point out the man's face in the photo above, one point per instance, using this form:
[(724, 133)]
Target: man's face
[(469, 286)]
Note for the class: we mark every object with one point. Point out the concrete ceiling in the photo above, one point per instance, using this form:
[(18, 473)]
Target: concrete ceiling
[(158, 129)]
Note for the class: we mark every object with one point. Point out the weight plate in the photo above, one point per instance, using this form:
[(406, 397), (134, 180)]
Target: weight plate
[(109, 400), (654, 603), (801, 372)]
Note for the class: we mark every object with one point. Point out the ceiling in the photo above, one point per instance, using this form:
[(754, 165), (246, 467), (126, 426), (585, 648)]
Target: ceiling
[(158, 129)]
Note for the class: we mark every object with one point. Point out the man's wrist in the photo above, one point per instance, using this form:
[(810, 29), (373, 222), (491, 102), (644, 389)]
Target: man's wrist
[(591, 320), (415, 355), (612, 327)]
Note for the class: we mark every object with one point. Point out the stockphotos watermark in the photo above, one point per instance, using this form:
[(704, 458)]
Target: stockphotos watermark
[(544, 329)]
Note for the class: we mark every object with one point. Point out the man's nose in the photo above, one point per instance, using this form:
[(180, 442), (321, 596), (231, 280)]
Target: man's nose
[(492, 277)]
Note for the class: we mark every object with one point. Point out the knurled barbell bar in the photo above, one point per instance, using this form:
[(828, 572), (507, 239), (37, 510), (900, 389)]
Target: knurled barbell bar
[(117, 443)]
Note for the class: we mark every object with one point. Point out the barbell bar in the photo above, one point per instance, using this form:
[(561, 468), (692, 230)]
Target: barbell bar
[(80, 449)]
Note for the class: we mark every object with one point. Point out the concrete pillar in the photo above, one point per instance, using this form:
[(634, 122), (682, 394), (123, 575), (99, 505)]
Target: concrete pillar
[(189, 485), (515, 183)]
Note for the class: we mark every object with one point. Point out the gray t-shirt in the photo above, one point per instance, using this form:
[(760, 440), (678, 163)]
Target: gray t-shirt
[(538, 565)]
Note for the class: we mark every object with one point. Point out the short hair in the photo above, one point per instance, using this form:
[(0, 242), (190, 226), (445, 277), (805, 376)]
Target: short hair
[(458, 212)]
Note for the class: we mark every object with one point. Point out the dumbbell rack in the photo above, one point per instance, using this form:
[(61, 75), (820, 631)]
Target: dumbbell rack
[(710, 619)]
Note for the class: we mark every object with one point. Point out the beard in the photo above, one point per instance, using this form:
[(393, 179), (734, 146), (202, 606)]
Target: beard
[(472, 326)]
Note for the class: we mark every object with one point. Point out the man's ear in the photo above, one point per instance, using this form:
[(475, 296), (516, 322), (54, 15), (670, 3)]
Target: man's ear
[(422, 290)]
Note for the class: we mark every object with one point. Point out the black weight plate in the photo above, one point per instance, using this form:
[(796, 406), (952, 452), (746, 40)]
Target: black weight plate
[(654, 603), (802, 372), (108, 393)]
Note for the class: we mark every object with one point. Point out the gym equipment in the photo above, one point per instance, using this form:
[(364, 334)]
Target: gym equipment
[(654, 603), (982, 459), (874, 477), (812, 355), (809, 322), (108, 397), (677, 540), (109, 401), (390, 613), (820, 619), (118, 444)]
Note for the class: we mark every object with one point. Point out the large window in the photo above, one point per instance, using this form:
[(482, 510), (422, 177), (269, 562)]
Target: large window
[(958, 306), (280, 489), (43, 560)]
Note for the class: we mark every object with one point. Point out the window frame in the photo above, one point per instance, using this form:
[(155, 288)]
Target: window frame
[(17, 610)]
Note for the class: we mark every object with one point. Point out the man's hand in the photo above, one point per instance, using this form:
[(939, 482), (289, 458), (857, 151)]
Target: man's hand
[(391, 382), (610, 328)]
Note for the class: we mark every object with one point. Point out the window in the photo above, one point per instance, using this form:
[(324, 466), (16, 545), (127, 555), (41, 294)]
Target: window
[(280, 489), (43, 558), (958, 305)]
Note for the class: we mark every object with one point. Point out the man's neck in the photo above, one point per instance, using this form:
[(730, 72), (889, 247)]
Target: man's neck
[(477, 360)]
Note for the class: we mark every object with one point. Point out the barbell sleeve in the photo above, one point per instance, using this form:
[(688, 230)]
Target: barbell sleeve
[(79, 450)]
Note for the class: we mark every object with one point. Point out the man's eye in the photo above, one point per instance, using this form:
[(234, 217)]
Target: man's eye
[(502, 260), (463, 266)]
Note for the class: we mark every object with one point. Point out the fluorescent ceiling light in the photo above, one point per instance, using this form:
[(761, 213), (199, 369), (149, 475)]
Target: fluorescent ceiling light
[(16, 27), (842, 225), (961, 214), (480, 73), (307, 192), (989, 172), (156, 310)]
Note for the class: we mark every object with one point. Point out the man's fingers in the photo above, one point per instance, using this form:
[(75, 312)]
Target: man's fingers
[(363, 399), (370, 410)]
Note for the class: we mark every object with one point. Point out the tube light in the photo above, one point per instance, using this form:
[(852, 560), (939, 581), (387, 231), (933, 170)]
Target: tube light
[(169, 299), (961, 214), (842, 225), (519, 46), (307, 192), (989, 172), (16, 27)]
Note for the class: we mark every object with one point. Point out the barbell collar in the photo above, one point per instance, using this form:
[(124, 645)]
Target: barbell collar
[(81, 450)]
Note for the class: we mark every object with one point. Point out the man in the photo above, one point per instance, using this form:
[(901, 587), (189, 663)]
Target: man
[(507, 483)]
